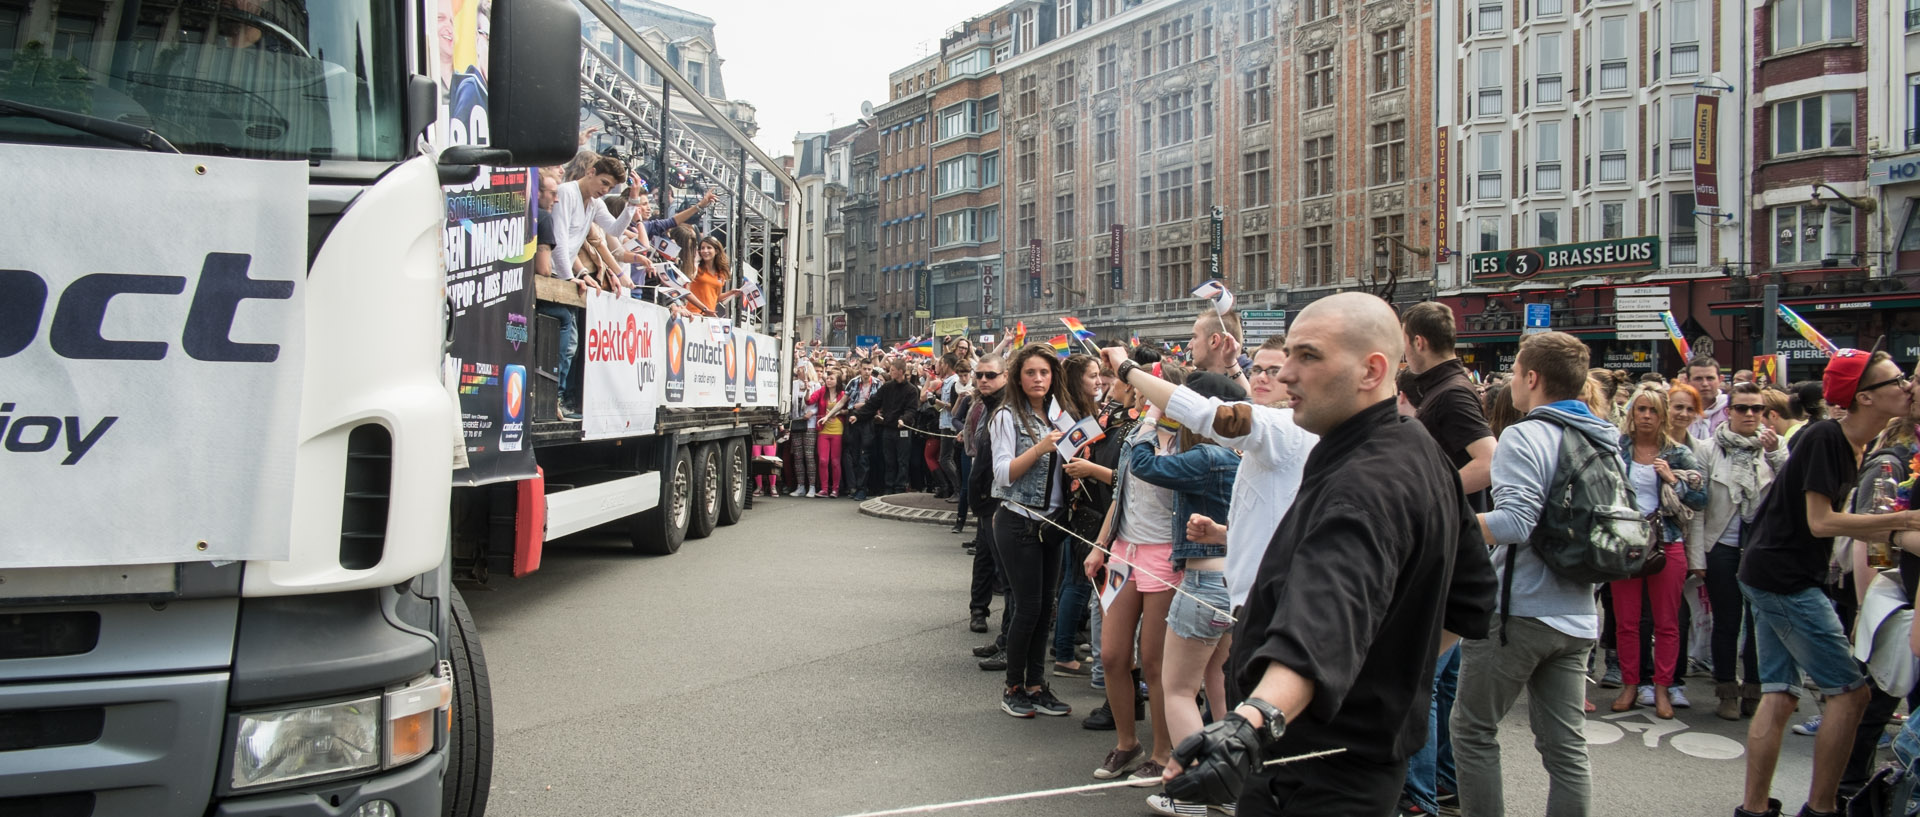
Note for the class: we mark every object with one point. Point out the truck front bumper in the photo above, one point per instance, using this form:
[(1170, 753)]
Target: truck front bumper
[(413, 790)]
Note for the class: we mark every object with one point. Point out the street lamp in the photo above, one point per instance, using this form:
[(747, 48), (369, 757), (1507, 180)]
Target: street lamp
[(1383, 259), (1865, 206)]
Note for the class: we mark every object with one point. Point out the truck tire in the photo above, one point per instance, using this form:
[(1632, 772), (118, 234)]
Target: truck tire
[(659, 531), (733, 464), (469, 774), (707, 477)]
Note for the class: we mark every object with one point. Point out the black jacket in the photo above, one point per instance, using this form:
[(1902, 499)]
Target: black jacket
[(1378, 553), (891, 402)]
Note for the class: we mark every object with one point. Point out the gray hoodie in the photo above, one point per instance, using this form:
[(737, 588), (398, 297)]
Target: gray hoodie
[(1523, 467)]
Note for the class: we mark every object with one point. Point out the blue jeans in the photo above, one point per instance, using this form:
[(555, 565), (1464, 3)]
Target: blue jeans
[(569, 341), (1800, 632), (1074, 592), (1430, 770)]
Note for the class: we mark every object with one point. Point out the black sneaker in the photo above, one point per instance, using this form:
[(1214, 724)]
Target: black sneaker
[(1101, 720), (996, 662), (986, 650), (1015, 702), (978, 624), (1045, 704)]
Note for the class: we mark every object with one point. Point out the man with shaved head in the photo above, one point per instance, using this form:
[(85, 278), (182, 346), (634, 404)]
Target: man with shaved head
[(1377, 568)]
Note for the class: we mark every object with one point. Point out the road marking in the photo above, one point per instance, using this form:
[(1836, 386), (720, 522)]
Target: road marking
[(1610, 729)]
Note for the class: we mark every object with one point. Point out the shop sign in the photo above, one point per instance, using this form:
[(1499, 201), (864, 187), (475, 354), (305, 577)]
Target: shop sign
[(1897, 170), (1636, 360), (1567, 260)]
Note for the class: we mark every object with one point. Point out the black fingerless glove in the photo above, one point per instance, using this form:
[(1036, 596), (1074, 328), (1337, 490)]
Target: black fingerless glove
[(1216, 762)]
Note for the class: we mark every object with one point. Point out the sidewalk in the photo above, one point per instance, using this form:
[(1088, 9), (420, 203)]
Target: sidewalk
[(912, 507)]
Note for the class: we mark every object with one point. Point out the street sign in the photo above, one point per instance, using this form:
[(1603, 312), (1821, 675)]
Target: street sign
[(1260, 324), (1539, 318), (1627, 292), (866, 340), (1636, 322), (1645, 303), (1660, 335)]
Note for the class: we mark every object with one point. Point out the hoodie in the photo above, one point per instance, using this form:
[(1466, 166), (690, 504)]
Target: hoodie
[(1523, 467)]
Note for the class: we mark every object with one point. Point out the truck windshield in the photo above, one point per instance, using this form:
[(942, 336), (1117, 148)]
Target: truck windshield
[(263, 79)]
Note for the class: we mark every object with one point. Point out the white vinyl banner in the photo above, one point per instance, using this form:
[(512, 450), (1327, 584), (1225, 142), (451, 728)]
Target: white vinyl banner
[(760, 380), (150, 373), (622, 344)]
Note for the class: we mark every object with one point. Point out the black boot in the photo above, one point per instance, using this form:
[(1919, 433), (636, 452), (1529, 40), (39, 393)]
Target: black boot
[(1100, 720), (1773, 810), (978, 624), (996, 662)]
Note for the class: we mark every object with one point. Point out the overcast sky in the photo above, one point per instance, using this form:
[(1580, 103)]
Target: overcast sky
[(806, 65)]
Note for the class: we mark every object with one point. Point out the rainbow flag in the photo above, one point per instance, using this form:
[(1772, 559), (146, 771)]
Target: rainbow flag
[(1019, 335), (1811, 334), (1134, 341), (1078, 329), (1673, 333), (923, 348), (1059, 343)]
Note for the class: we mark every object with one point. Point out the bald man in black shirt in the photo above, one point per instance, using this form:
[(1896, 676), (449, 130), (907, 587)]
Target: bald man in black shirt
[(1337, 641)]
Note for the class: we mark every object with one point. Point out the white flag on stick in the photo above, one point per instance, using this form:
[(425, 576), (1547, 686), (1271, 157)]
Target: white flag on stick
[(1216, 291)]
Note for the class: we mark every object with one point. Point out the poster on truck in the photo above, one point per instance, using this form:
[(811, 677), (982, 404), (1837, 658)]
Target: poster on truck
[(622, 351), (488, 246), (169, 356)]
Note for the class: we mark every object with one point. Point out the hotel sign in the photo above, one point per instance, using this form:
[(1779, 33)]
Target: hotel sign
[(1567, 260)]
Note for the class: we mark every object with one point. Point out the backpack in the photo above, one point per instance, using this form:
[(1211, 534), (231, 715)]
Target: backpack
[(1589, 530)]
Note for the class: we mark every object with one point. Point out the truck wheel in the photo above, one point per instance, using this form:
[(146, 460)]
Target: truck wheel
[(733, 464), (469, 774), (659, 532), (707, 477)]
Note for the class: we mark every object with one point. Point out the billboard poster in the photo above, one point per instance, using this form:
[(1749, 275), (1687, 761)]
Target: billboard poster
[(488, 249), (622, 349), (1706, 152)]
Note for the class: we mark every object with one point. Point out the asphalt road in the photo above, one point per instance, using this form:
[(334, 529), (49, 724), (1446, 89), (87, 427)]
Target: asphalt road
[(814, 662)]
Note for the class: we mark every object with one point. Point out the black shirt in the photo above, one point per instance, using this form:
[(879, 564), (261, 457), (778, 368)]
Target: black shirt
[(543, 229), (1378, 553), (892, 401), (1447, 404), (1782, 554)]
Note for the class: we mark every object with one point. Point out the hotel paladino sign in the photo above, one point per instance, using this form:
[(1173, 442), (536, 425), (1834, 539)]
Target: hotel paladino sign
[(1567, 260)]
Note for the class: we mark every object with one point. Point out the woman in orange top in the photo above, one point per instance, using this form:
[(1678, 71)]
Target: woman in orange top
[(712, 275)]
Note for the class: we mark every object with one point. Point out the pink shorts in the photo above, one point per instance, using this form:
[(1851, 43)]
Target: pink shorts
[(1152, 565)]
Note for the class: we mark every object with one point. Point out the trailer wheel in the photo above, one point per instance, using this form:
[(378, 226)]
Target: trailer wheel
[(707, 478), (659, 531), (733, 502), (469, 774)]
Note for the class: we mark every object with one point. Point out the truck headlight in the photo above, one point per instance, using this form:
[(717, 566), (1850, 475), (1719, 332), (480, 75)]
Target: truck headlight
[(314, 741)]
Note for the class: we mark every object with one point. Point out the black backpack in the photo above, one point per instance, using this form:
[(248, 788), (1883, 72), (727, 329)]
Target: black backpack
[(1589, 530)]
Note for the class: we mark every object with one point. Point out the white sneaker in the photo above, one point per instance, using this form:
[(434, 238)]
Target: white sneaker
[(1162, 804), (811, 493), (1646, 695), (1678, 695)]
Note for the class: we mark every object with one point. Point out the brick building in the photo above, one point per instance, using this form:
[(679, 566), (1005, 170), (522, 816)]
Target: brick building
[(967, 162), (904, 130), (862, 211)]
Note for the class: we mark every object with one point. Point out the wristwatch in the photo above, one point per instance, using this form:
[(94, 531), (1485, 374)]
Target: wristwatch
[(1126, 368), (1275, 721)]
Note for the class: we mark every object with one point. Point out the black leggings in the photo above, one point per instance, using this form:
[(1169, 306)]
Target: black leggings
[(1031, 563), (1729, 612)]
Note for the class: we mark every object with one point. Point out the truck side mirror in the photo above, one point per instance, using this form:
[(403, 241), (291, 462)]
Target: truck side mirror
[(533, 81)]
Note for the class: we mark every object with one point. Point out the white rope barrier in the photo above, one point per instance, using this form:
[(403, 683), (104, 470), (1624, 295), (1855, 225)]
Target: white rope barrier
[(1150, 574), (1036, 795)]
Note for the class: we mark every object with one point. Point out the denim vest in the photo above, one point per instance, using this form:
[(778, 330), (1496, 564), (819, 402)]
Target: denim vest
[(1031, 488), (1202, 482), (1679, 458)]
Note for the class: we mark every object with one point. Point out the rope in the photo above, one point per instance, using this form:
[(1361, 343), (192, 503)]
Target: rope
[(1116, 557), (929, 433), (1036, 795)]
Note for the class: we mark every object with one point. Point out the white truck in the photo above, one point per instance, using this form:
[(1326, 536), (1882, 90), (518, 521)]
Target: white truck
[(242, 435)]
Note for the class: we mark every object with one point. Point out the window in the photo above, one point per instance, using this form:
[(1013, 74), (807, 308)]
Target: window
[(1029, 225), (1029, 29), (1063, 146), (1683, 238), (1176, 118), (1256, 262), (1065, 20), (1805, 235), (1174, 277), (1549, 8), (1490, 19), (1206, 109), (1256, 105), (1206, 187), (1319, 76), (1029, 159), (1613, 220), (1206, 33), (1613, 146), (1546, 157), (1390, 59), (986, 115), (1146, 200), (1256, 179), (1686, 37), (1317, 173), (1390, 152), (1146, 126), (1106, 138), (953, 122), (1176, 195), (1316, 9), (957, 227), (1489, 227), (1258, 24), (1029, 95), (1146, 52), (1813, 123), (1106, 209), (1491, 89), (1487, 180), (973, 62), (1066, 84), (1316, 256), (1546, 228), (1679, 135), (956, 174), (987, 225), (1063, 217), (1613, 53), (989, 169), (1547, 84), (696, 76), (1910, 233), (1106, 72), (1807, 22), (1176, 42)]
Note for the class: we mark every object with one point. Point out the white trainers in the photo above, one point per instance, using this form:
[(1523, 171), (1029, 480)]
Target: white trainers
[(1162, 804), (1678, 695), (811, 493), (1646, 695)]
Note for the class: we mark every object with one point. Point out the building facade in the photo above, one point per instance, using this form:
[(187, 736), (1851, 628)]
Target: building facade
[(965, 253), (690, 44), (862, 212), (905, 131)]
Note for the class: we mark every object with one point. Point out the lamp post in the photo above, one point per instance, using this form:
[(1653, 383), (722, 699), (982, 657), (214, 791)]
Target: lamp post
[(1383, 260)]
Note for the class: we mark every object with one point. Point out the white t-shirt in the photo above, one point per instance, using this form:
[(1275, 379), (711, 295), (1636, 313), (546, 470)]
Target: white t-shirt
[(1149, 519), (1273, 455)]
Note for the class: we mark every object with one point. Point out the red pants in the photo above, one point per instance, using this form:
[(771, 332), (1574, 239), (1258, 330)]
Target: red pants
[(1663, 593), (829, 463), (770, 482)]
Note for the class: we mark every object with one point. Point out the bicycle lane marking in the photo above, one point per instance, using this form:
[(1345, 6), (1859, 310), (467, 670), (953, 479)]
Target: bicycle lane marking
[(1610, 729)]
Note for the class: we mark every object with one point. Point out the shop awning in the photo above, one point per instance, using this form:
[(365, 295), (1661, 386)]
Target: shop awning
[(1829, 303)]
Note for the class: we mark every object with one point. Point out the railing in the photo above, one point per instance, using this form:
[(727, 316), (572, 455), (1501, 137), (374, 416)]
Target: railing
[(1913, 19), (1913, 134)]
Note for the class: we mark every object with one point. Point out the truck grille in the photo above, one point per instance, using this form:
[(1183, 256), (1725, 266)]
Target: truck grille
[(39, 729)]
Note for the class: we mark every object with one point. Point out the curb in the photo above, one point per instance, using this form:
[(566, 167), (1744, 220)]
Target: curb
[(879, 508)]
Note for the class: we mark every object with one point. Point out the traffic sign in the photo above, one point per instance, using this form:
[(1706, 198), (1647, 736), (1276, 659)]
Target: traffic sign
[(1539, 318), (1637, 322), (1260, 324), (1644, 303), (1660, 335), (1627, 292)]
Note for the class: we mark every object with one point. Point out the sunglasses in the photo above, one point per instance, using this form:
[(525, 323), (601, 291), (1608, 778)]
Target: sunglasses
[(988, 375), (1747, 408), (1901, 381)]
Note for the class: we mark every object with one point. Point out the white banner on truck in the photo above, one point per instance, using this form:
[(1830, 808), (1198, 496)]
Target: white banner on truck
[(150, 375), (621, 347)]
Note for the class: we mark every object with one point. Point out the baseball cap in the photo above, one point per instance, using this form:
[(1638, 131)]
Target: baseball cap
[(1842, 377)]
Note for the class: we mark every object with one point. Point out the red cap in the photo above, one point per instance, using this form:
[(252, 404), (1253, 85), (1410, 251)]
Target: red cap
[(1842, 378)]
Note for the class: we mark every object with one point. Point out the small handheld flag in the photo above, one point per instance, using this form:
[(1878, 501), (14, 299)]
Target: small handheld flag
[(1019, 334), (1133, 342), (1217, 292), (1080, 333), (923, 348), (1673, 333), (1059, 343)]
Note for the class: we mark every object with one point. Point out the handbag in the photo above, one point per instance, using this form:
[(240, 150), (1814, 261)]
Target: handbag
[(1657, 555)]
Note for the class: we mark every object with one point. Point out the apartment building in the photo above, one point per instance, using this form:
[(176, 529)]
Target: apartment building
[(862, 212), (967, 161), (905, 131)]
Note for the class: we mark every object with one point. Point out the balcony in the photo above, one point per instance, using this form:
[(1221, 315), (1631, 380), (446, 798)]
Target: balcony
[(1913, 20)]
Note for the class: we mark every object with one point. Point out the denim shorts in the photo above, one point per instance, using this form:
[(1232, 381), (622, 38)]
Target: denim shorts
[(1191, 620), (1799, 633)]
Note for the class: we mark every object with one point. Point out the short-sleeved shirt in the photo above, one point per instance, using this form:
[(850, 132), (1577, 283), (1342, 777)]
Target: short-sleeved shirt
[(543, 229), (1449, 408), (1783, 555)]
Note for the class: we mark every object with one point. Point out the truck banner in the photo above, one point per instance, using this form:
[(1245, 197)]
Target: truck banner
[(640, 358), (488, 246), (148, 360)]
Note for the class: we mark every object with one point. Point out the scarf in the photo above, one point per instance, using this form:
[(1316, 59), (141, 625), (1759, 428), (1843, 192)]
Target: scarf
[(1745, 476)]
